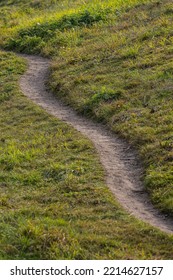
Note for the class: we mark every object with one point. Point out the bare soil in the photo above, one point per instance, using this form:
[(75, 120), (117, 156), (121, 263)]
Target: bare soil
[(121, 163)]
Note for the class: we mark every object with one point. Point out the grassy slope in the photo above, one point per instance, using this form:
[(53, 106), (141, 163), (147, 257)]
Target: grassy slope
[(41, 27), (122, 74), (53, 204), (113, 62), (53, 201)]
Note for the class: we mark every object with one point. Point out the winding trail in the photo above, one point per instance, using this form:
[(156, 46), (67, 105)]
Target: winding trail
[(121, 163)]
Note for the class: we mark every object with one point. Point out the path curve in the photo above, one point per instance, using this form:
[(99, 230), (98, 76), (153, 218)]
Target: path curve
[(123, 170)]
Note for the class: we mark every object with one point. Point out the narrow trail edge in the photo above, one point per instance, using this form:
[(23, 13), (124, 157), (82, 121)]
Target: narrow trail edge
[(123, 169)]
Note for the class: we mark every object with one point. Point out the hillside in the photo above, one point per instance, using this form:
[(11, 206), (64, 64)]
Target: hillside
[(112, 62)]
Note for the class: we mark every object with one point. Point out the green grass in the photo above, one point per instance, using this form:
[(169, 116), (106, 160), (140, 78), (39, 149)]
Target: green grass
[(53, 200), (122, 74), (38, 27), (112, 61)]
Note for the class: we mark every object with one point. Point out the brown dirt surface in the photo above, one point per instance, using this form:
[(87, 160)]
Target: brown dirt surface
[(121, 163)]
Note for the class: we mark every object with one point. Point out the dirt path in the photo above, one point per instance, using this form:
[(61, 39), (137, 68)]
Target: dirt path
[(123, 170)]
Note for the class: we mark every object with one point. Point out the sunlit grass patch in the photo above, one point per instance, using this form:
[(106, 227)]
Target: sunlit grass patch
[(29, 31)]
